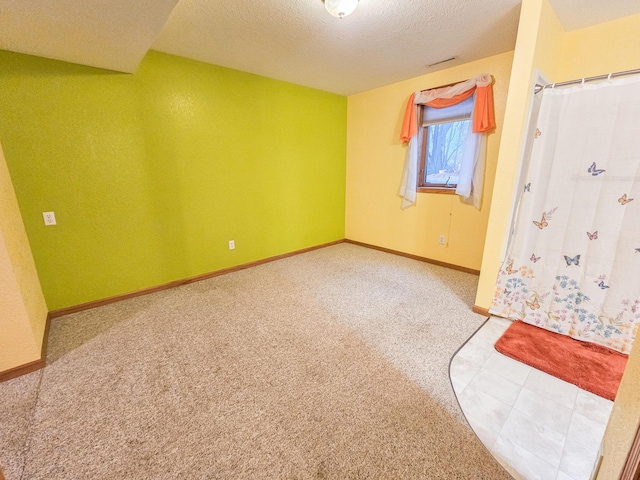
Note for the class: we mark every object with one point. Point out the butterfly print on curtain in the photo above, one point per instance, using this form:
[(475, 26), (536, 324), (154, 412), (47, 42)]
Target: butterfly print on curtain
[(560, 283), (595, 171), (623, 200)]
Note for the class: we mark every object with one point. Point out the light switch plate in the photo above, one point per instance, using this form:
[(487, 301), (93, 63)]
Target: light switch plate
[(49, 218)]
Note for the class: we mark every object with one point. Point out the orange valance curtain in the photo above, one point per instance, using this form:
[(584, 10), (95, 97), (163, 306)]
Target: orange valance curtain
[(483, 113), (484, 119), (471, 170), (410, 122)]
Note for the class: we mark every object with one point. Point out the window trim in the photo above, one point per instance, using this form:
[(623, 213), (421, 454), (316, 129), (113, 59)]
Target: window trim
[(421, 187)]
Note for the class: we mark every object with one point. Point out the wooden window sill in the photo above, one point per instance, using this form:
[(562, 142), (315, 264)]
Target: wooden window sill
[(436, 190)]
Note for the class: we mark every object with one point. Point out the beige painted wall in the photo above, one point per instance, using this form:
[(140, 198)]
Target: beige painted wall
[(375, 159), (23, 311)]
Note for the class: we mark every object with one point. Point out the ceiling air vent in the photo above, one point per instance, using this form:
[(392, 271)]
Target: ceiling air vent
[(442, 61)]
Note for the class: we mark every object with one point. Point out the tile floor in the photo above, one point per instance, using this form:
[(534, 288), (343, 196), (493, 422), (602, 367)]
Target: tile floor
[(536, 425)]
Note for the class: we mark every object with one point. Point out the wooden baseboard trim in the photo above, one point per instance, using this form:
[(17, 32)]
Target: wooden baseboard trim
[(177, 283), (40, 363), (631, 467), (481, 311), (31, 366), (415, 257), (21, 370)]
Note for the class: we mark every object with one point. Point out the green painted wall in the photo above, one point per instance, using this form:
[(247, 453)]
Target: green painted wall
[(151, 174)]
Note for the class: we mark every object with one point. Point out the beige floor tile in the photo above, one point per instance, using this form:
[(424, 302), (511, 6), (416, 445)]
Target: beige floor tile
[(544, 410), (498, 387), (528, 465), (557, 390), (534, 436)]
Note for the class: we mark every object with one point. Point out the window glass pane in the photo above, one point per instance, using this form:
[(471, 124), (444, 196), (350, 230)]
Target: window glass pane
[(444, 152)]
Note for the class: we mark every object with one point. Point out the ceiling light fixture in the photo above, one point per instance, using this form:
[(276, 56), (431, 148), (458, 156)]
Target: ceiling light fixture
[(340, 8)]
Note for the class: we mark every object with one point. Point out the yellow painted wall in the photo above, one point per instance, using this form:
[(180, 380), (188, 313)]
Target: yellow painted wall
[(375, 159), (538, 46), (23, 311), (608, 47), (623, 422), (17, 343)]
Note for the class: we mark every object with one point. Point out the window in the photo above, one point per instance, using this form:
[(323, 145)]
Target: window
[(443, 132)]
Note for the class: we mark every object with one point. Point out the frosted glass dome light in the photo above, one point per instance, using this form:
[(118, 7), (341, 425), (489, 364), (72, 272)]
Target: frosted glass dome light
[(340, 8)]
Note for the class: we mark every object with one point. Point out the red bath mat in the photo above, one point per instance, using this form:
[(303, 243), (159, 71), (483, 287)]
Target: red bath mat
[(591, 367)]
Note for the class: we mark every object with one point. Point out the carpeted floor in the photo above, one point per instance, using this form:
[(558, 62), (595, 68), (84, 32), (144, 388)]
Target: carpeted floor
[(330, 364)]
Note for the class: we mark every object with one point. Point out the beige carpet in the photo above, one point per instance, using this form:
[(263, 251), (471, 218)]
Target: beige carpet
[(331, 364)]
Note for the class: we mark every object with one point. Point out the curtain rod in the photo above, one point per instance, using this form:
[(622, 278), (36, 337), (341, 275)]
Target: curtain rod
[(443, 86), (538, 88)]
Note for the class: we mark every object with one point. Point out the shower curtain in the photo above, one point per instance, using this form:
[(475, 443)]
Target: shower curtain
[(573, 261)]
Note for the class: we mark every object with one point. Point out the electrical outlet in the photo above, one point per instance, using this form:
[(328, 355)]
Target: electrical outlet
[(442, 240), (49, 218), (232, 244)]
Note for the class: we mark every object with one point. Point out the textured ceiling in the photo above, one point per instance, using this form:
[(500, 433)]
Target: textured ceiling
[(382, 42), (112, 34), (575, 14)]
